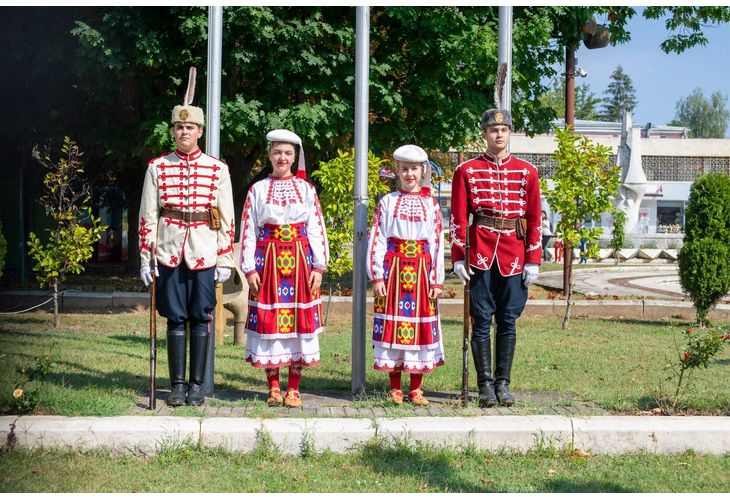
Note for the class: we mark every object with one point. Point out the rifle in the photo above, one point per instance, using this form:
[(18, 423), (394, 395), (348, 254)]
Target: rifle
[(464, 397), (153, 331)]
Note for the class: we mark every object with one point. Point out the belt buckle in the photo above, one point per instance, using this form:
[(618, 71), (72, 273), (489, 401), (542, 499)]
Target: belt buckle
[(187, 217)]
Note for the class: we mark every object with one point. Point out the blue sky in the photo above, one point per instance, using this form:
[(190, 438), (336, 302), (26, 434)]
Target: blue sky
[(660, 79)]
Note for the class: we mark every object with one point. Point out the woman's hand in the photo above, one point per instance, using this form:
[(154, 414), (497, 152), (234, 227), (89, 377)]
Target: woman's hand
[(379, 289), (315, 281), (434, 293), (254, 282)]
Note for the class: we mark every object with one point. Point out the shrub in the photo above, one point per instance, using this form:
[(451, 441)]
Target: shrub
[(703, 273), (619, 236), (337, 179), (704, 259), (702, 345)]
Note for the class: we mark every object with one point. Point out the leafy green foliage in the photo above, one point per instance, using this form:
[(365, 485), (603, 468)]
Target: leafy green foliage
[(701, 347), (583, 187), (620, 96), (28, 389), (584, 184), (705, 118), (689, 23), (619, 236), (704, 259), (337, 180), (586, 102), (704, 272), (67, 202)]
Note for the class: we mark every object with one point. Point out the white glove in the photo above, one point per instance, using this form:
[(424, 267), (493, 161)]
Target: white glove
[(146, 274), (462, 272), (222, 274), (529, 275)]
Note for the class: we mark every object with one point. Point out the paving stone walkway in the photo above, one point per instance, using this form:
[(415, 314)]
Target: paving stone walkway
[(344, 404)]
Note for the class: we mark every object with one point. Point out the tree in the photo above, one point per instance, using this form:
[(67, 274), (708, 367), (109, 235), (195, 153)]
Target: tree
[(586, 102), (704, 118), (121, 70), (620, 96), (583, 187), (618, 236), (71, 242), (704, 259), (688, 22)]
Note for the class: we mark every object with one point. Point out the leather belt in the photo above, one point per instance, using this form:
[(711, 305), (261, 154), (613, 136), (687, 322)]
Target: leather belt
[(496, 222), (187, 217)]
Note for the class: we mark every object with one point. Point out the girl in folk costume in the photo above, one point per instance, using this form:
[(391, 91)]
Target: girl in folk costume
[(406, 267), (283, 255)]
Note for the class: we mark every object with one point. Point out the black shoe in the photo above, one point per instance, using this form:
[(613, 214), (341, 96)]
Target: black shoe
[(177, 395), (483, 363), (195, 395), (503, 395)]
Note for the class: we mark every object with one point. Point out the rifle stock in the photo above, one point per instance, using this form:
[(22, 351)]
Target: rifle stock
[(153, 333), (464, 397)]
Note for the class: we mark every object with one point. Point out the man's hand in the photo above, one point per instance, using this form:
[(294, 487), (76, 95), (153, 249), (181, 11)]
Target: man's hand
[(315, 281), (254, 282), (529, 275), (462, 272), (222, 274), (434, 293), (379, 289), (146, 274)]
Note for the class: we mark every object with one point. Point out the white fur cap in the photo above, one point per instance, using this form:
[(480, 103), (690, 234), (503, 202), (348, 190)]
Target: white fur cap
[(189, 114), (410, 153)]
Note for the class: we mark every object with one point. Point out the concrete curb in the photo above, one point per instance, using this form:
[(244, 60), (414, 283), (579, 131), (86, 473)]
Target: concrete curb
[(148, 435)]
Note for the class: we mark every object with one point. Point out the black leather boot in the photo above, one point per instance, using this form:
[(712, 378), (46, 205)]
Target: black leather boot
[(198, 358), (483, 363), (504, 353), (176, 343)]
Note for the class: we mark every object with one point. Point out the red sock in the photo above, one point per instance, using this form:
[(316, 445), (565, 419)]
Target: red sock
[(394, 380), (272, 377), (295, 376), (416, 380)]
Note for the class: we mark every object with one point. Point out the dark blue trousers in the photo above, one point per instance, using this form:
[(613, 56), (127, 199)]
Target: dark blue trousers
[(186, 295), (503, 297)]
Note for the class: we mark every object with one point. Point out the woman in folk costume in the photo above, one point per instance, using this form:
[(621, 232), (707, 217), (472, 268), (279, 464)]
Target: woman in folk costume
[(283, 255), (406, 267)]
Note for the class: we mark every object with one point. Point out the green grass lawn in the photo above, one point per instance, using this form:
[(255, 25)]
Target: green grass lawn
[(375, 467), (103, 362)]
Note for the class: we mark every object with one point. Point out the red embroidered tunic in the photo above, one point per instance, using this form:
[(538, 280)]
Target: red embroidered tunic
[(191, 182), (507, 188)]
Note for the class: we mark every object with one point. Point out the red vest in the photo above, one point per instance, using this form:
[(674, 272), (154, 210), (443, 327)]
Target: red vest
[(507, 188)]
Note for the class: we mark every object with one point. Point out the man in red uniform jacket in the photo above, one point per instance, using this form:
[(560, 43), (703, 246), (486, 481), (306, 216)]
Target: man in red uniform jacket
[(501, 193)]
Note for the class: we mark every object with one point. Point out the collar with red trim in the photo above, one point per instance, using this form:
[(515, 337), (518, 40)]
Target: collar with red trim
[(189, 156)]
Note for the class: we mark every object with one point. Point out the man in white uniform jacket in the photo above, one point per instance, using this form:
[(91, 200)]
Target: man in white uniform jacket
[(186, 219)]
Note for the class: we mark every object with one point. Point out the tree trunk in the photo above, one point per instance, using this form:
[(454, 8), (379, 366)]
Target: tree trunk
[(568, 307), (56, 317)]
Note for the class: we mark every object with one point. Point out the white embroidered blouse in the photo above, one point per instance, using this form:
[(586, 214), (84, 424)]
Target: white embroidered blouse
[(283, 200), (407, 216)]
